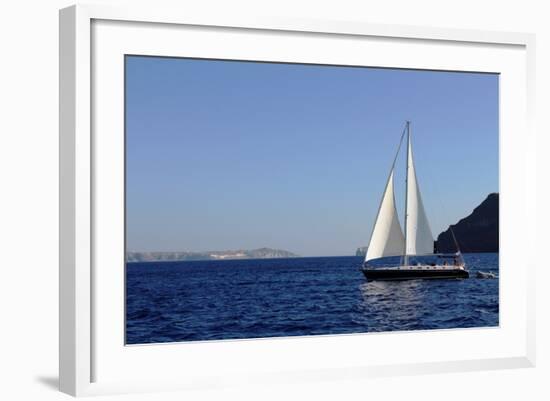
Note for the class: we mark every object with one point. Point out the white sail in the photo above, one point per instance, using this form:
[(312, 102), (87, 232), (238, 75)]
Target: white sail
[(387, 237), (419, 238)]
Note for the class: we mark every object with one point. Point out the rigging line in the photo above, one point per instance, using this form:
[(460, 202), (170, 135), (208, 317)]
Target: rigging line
[(443, 209), (399, 147), (454, 237)]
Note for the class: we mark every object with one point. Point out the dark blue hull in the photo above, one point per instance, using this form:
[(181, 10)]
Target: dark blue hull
[(413, 274)]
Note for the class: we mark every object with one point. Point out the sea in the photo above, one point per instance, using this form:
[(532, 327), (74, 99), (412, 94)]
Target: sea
[(263, 298)]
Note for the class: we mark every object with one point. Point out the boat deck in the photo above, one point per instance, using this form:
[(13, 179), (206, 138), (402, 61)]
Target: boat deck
[(425, 267)]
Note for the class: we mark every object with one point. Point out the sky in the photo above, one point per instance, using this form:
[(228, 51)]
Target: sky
[(241, 155)]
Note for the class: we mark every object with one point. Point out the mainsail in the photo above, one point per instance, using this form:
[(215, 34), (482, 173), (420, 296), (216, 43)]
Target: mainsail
[(387, 237), (419, 238)]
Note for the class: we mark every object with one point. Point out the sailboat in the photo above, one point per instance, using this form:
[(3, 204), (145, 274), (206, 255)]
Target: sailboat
[(415, 246)]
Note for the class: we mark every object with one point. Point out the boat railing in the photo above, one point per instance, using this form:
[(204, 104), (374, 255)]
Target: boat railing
[(451, 260)]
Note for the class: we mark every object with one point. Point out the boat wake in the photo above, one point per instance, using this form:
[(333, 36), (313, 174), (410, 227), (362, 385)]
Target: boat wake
[(486, 275)]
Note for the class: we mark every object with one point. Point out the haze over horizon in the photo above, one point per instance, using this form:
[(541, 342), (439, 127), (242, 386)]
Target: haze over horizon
[(225, 155)]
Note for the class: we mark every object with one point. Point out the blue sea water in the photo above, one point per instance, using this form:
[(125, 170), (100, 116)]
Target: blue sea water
[(232, 299)]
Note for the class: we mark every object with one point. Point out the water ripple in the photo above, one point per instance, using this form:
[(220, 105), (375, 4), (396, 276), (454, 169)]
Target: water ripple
[(213, 300)]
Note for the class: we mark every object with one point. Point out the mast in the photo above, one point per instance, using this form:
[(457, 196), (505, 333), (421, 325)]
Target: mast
[(405, 257)]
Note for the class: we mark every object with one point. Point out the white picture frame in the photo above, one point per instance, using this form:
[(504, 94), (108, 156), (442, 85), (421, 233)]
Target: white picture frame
[(92, 361)]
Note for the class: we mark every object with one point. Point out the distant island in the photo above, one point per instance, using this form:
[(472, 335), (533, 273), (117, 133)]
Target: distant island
[(261, 253), (478, 232), (361, 251)]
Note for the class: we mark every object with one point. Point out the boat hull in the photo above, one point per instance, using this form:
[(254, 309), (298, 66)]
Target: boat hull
[(414, 274)]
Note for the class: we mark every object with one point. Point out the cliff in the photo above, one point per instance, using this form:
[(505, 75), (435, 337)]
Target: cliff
[(477, 232)]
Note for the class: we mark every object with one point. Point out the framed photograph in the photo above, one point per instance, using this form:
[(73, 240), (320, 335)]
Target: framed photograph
[(273, 199)]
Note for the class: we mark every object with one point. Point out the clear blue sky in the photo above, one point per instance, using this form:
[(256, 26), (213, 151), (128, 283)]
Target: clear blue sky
[(241, 155)]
